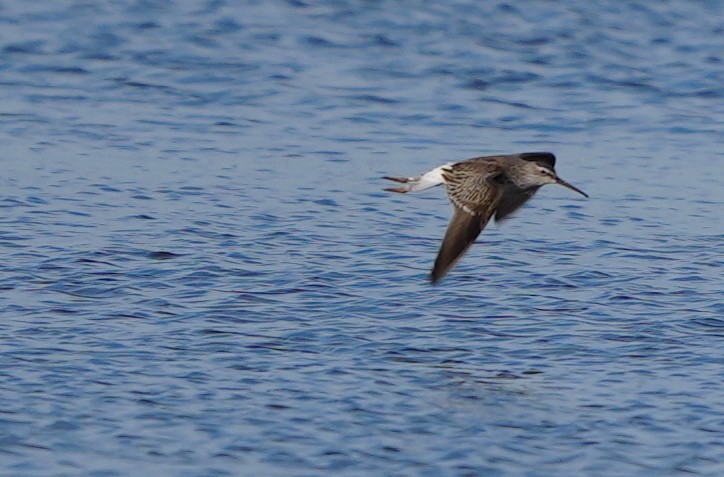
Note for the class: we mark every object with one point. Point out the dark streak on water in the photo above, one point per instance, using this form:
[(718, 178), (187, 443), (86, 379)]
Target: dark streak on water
[(202, 277)]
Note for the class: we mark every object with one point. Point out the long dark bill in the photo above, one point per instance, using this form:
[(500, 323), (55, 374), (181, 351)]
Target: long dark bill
[(572, 187)]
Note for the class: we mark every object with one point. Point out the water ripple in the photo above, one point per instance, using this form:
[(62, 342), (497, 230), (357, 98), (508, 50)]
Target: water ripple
[(202, 274)]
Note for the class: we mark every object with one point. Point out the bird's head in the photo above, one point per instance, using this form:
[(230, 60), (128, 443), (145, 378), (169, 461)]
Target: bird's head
[(539, 173)]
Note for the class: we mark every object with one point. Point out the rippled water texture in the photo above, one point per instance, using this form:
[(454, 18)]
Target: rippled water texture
[(201, 275)]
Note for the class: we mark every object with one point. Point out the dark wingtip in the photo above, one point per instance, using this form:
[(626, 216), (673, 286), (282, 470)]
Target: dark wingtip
[(545, 157), (537, 156)]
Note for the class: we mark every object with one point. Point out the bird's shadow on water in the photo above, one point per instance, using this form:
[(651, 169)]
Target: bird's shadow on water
[(461, 371), (456, 384)]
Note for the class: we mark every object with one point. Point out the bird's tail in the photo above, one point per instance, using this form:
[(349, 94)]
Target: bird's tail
[(413, 184)]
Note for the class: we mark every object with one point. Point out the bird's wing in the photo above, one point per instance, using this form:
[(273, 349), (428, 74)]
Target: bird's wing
[(464, 228), (474, 193), (546, 158), (511, 200)]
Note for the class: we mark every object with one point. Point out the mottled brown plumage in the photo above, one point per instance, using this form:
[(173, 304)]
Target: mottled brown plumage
[(480, 189)]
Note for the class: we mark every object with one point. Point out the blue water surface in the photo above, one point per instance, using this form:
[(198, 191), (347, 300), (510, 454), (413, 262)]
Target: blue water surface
[(201, 274)]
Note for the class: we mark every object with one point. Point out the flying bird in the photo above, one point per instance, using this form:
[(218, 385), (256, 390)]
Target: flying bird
[(480, 189)]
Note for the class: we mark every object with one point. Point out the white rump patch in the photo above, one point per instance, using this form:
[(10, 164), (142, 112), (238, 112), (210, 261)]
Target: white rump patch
[(429, 179)]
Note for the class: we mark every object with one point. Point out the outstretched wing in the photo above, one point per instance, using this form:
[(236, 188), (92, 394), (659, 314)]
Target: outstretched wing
[(462, 231), (474, 192), (546, 158), (511, 200)]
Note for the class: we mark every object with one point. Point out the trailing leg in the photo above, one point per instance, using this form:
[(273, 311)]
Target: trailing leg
[(413, 184)]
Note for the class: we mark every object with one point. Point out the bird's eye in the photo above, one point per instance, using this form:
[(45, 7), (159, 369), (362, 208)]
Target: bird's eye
[(545, 171)]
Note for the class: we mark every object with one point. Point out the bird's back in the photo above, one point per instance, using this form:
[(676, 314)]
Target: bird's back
[(472, 185), (486, 185)]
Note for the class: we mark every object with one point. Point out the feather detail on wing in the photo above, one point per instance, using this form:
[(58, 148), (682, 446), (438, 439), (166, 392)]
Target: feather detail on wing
[(511, 200), (462, 231), (474, 192)]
